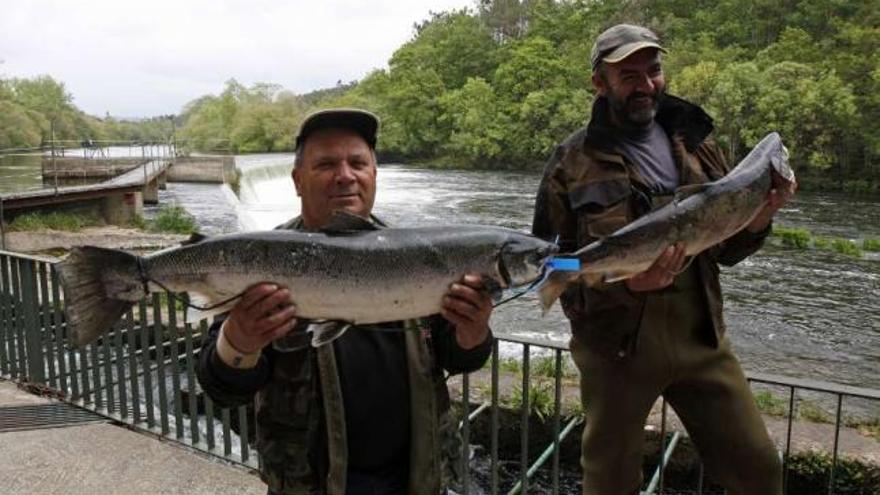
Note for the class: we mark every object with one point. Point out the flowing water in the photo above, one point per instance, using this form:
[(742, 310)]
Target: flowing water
[(802, 313)]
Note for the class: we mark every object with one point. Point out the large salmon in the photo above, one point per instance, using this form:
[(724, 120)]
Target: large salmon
[(344, 273), (699, 217)]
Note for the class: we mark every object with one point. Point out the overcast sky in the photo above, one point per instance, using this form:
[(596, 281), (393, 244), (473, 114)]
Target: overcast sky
[(149, 58)]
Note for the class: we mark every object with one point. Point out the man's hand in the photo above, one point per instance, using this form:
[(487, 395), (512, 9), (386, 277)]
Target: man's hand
[(264, 313), (780, 193), (468, 306), (661, 273)]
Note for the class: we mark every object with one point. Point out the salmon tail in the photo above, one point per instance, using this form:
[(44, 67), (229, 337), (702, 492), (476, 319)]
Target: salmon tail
[(99, 286), (553, 287), (780, 164)]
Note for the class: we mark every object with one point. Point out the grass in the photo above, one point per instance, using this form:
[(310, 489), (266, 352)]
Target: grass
[(796, 238), (813, 413), (802, 239), (846, 247), (770, 404), (871, 245), (174, 219), (541, 399), (56, 220)]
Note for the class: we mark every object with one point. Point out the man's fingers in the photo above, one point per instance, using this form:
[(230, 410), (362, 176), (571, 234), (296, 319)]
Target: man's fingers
[(281, 317), (271, 303), (462, 306), (455, 317), (255, 294), (281, 330)]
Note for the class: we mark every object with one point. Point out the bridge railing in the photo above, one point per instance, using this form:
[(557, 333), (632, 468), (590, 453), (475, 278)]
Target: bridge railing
[(142, 373)]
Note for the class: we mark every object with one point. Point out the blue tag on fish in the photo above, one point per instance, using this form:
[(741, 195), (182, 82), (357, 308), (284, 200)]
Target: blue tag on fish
[(564, 264)]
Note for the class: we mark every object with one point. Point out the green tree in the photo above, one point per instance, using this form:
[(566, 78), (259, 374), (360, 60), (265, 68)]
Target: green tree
[(478, 126), (17, 128)]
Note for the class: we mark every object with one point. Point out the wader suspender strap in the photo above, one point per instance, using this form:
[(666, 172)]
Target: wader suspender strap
[(425, 449), (334, 415)]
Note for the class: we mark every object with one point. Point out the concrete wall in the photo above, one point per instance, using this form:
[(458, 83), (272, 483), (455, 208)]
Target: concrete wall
[(214, 169)]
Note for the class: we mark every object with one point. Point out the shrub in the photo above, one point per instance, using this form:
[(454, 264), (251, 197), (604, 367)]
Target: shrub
[(871, 244)]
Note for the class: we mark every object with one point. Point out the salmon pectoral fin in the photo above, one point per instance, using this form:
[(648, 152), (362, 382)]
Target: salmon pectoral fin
[(553, 287), (204, 305), (611, 277), (324, 332)]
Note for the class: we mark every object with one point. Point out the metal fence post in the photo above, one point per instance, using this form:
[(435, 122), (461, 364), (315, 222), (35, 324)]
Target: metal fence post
[(32, 330)]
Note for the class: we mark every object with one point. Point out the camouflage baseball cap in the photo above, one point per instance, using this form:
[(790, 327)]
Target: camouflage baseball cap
[(620, 41)]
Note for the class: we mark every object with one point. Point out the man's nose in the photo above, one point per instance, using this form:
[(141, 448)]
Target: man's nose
[(345, 173), (646, 84)]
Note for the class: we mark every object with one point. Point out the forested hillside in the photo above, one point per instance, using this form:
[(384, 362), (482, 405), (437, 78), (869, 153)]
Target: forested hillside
[(498, 85)]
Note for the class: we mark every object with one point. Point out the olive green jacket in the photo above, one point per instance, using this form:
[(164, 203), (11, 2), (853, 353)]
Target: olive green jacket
[(590, 189)]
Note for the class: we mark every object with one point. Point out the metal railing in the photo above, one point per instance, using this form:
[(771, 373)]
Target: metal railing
[(142, 373)]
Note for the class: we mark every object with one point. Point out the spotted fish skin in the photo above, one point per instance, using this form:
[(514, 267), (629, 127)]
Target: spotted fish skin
[(354, 276), (699, 217)]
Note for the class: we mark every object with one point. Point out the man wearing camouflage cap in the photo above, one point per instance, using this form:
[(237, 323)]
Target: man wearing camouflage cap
[(660, 332)]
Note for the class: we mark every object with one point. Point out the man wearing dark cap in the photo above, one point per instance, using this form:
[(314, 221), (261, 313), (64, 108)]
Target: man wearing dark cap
[(660, 332), (369, 412)]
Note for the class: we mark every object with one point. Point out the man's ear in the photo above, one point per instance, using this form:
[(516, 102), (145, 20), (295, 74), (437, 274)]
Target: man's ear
[(599, 84), (295, 176)]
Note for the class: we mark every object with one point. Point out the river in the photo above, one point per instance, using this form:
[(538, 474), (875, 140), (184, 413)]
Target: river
[(801, 313)]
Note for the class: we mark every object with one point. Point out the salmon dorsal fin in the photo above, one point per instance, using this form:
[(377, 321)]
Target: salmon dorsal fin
[(685, 192), (344, 222), (194, 238)]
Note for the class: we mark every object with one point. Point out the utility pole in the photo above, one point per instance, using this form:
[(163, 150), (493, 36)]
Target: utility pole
[(54, 166)]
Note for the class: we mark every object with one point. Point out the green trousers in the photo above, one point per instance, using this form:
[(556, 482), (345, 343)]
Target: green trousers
[(705, 386)]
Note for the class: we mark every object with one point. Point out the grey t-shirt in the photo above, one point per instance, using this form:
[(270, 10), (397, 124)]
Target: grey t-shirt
[(651, 152)]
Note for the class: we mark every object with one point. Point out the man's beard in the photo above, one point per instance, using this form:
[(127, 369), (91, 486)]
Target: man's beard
[(637, 118)]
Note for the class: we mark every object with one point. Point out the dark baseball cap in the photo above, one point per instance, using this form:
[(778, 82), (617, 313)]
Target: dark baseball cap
[(620, 41), (361, 121)]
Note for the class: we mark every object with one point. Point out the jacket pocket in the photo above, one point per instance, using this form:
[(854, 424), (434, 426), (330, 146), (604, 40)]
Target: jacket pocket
[(601, 207)]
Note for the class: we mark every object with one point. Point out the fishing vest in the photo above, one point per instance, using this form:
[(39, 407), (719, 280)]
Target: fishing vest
[(303, 401)]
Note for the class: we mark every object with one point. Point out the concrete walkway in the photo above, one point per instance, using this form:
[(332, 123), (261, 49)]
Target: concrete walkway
[(104, 459)]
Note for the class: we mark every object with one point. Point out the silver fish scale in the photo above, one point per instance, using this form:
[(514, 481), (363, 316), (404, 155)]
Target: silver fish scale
[(366, 277)]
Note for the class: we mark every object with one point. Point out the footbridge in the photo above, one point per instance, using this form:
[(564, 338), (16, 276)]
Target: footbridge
[(120, 199)]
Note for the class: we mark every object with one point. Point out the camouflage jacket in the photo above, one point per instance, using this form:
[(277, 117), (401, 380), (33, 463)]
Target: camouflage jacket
[(590, 189), (300, 418)]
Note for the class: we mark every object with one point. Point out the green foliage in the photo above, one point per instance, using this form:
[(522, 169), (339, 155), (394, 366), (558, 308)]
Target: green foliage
[(796, 238), (822, 242), (871, 244), (811, 412), (847, 247), (55, 220), (174, 219), (541, 399), (809, 473), (770, 404), (510, 365)]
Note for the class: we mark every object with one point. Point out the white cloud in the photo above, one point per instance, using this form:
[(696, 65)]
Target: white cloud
[(150, 58)]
